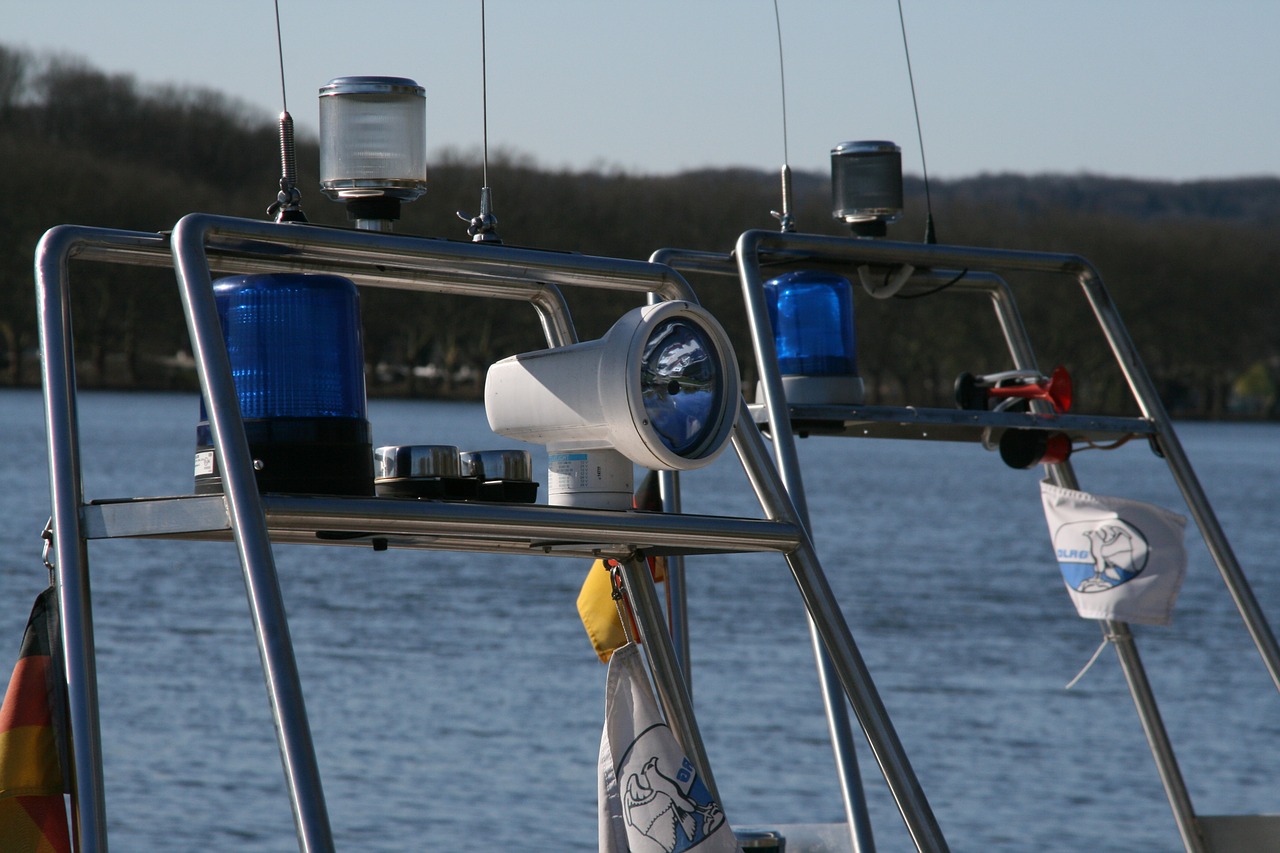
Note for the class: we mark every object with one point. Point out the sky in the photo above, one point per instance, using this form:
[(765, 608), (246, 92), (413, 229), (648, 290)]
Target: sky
[(1162, 89)]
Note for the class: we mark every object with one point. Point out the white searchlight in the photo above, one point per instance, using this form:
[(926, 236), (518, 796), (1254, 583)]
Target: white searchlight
[(660, 390)]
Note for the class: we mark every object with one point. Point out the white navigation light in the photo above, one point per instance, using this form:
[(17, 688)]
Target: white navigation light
[(866, 185), (373, 144), (660, 390)]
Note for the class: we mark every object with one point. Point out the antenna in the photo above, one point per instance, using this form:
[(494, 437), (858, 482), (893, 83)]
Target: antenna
[(483, 227), (784, 217), (288, 203), (929, 235)]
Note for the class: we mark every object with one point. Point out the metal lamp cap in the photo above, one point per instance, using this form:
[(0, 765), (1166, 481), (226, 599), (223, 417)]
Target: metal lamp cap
[(866, 146), (366, 85), (513, 465), (409, 461)]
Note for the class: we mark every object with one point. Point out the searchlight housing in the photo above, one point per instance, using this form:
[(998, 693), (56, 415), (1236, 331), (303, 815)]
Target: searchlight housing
[(659, 390)]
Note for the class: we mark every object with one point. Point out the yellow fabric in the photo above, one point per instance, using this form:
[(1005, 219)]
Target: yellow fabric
[(658, 568), (28, 762), (599, 612)]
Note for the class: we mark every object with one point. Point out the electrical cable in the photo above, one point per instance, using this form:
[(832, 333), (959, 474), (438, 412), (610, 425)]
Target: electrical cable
[(938, 289)]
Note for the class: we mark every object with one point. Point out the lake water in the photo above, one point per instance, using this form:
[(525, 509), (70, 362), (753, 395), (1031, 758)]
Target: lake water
[(456, 702)]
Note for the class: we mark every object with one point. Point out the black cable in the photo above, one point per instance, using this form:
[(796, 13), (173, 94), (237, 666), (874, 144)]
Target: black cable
[(938, 289)]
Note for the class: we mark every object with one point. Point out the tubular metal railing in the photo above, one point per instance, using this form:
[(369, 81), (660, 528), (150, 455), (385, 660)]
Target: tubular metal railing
[(200, 244), (979, 270)]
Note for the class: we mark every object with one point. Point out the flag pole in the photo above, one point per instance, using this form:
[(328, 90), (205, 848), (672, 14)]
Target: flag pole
[(673, 693), (1063, 475)]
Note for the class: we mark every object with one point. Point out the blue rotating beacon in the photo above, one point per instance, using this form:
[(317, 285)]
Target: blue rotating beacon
[(811, 312), (297, 360)]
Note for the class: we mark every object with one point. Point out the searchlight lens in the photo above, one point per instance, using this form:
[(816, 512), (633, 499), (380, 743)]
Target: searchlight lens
[(812, 317), (681, 383)]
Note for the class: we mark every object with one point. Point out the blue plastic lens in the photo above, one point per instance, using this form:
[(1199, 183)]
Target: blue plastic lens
[(295, 345), (812, 317), (681, 383)]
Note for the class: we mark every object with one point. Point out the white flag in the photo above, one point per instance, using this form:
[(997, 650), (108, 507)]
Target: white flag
[(651, 798), (1121, 559)]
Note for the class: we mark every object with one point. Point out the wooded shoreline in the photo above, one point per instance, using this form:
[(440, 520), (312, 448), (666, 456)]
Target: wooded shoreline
[(1192, 266)]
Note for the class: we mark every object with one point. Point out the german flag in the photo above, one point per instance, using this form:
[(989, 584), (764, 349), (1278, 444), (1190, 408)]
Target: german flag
[(33, 817)]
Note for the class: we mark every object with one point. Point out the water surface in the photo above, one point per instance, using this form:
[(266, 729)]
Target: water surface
[(457, 705)]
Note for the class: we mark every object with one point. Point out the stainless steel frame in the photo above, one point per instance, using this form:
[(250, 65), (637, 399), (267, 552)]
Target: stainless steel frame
[(982, 270), (202, 243)]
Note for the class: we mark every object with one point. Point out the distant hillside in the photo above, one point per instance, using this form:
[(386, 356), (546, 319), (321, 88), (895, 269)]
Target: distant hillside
[(1191, 265), (1249, 201)]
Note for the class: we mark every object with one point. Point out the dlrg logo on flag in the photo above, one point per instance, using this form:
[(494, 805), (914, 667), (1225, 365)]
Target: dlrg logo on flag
[(1120, 559), (651, 797)]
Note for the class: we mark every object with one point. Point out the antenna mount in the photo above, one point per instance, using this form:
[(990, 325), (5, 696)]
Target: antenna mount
[(288, 204), (786, 221), (784, 217), (483, 227)]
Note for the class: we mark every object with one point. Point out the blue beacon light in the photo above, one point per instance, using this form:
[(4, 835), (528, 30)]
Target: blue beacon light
[(297, 360), (811, 313)]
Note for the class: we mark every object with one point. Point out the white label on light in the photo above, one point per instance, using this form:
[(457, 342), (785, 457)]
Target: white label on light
[(567, 471)]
